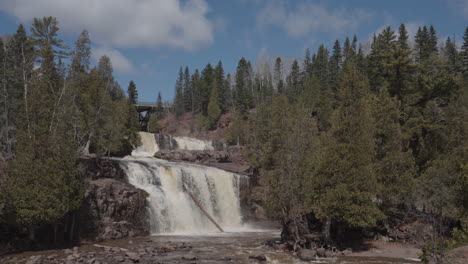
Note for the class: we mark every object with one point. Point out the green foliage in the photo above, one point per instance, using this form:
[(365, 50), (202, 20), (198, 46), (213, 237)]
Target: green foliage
[(343, 183), (214, 107), (280, 146)]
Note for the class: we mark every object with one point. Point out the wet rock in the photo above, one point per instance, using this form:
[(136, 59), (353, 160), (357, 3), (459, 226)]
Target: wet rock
[(323, 253), (34, 260), (135, 257), (306, 254), (119, 258), (113, 209), (189, 257), (258, 257), (68, 251)]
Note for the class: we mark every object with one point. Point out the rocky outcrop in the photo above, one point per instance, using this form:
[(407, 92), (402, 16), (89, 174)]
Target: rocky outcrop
[(231, 159), (113, 209)]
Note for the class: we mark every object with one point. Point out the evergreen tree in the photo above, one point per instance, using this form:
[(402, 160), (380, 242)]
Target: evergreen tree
[(132, 93), (344, 183), (179, 94), (196, 99), (278, 76), (335, 65), (321, 66), (294, 81), (214, 107), (307, 64), (205, 86), (44, 33), (403, 37), (433, 40), (394, 168), (188, 91), (242, 94), (464, 53), (222, 89), (159, 106), (452, 56)]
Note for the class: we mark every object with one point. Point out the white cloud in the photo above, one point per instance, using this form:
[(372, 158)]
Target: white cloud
[(125, 23), (309, 17), (119, 62)]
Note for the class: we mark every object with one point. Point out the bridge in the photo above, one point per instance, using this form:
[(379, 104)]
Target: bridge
[(145, 110)]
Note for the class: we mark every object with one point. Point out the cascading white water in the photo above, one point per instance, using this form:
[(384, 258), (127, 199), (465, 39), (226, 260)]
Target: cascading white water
[(187, 143), (148, 145), (171, 208)]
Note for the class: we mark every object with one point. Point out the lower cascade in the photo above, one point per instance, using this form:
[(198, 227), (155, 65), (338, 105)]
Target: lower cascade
[(171, 208)]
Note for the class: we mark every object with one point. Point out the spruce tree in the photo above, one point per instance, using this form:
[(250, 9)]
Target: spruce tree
[(188, 91), (278, 76), (179, 94), (214, 107), (464, 53), (403, 37), (132, 93), (220, 83), (335, 65)]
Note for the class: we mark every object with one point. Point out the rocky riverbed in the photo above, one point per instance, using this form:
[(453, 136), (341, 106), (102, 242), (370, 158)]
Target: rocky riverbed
[(245, 247)]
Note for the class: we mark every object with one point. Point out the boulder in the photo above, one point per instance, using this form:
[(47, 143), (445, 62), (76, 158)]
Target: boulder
[(306, 254)]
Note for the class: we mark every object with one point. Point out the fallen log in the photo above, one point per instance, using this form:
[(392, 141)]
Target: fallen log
[(197, 202)]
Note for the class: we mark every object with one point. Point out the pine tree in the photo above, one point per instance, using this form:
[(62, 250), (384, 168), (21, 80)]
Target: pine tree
[(179, 95), (132, 93), (403, 37), (321, 66), (307, 64), (196, 98), (205, 86), (294, 88), (464, 53), (44, 33), (347, 50), (335, 65), (188, 92), (278, 76), (214, 107), (132, 124), (220, 83), (159, 107), (433, 40), (452, 56)]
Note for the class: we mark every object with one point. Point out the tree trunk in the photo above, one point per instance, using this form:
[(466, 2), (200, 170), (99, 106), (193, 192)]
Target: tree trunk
[(326, 226), (72, 227)]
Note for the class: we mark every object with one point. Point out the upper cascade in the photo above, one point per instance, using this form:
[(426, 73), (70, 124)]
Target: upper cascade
[(152, 143), (148, 146), (188, 143)]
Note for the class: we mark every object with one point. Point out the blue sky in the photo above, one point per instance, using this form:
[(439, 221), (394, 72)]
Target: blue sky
[(148, 40)]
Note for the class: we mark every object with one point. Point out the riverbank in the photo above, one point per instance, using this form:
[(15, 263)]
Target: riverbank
[(239, 247)]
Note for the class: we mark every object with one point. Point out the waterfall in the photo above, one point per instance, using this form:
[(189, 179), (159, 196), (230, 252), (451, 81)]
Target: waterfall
[(187, 143), (148, 145), (171, 208)]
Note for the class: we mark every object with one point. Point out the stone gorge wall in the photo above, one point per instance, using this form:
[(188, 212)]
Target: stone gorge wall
[(112, 208)]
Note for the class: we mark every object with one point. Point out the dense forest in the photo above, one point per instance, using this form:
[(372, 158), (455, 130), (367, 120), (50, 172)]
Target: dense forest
[(51, 114), (348, 140)]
